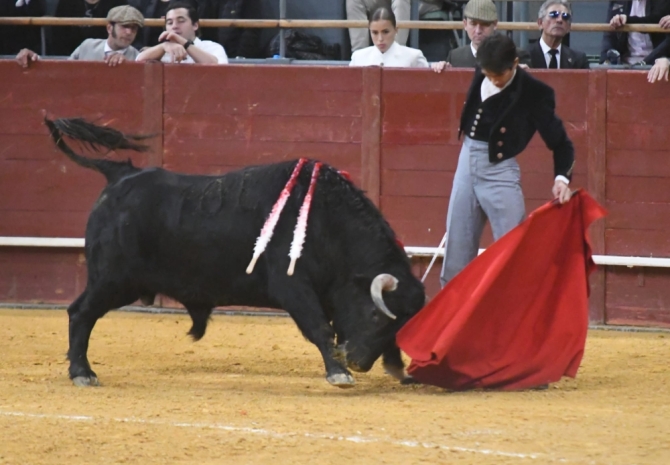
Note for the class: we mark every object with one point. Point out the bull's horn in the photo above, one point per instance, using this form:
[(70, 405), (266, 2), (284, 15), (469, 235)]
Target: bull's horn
[(383, 282)]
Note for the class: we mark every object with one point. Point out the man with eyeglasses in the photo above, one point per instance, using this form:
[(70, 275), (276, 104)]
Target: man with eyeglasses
[(554, 20)]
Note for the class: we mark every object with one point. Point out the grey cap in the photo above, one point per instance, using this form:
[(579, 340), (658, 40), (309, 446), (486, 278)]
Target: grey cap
[(125, 14), (483, 10)]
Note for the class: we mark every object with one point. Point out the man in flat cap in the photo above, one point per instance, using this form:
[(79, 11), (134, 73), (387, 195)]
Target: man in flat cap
[(480, 19), (123, 23)]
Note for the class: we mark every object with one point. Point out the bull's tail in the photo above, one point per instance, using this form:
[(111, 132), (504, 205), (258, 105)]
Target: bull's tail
[(96, 137)]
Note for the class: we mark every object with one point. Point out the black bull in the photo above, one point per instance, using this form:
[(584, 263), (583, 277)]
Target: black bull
[(190, 238)]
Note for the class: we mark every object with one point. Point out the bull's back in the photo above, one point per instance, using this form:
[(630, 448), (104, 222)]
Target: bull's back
[(175, 232)]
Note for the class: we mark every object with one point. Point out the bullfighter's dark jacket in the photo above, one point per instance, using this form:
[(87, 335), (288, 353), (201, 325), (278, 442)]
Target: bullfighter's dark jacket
[(508, 120)]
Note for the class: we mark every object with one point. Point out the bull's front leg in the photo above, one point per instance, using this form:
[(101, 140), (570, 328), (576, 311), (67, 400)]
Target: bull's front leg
[(303, 305), (394, 366)]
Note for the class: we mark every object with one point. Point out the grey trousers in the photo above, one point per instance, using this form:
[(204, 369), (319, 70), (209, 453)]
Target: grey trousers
[(359, 10), (481, 190)]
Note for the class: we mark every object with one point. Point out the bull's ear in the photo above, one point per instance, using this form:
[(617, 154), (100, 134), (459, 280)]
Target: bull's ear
[(363, 282)]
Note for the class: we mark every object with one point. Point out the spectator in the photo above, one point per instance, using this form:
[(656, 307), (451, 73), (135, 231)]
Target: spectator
[(360, 9), (67, 38), (659, 72), (504, 108), (237, 41), (633, 47), (659, 57), (123, 24), (386, 51), (150, 9), (14, 38), (179, 42), (480, 19), (554, 19)]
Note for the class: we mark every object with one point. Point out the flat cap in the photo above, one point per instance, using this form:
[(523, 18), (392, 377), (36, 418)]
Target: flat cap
[(125, 14), (483, 10)]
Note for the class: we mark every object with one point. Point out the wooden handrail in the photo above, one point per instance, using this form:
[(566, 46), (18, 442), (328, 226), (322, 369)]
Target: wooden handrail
[(316, 23)]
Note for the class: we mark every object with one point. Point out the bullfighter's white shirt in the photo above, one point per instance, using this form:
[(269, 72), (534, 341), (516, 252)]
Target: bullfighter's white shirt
[(206, 45), (397, 56)]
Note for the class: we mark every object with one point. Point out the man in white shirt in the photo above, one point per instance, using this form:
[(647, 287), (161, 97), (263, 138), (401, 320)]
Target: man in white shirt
[(554, 20), (123, 24), (180, 43)]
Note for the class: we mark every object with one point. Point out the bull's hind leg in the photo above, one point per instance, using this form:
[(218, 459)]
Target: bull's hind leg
[(84, 312), (304, 307)]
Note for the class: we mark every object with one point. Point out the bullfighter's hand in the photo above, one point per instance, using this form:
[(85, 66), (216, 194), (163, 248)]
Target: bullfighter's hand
[(171, 37), (659, 71), (665, 22), (439, 67), (25, 56), (618, 21), (524, 66), (561, 191), (176, 51), (115, 59)]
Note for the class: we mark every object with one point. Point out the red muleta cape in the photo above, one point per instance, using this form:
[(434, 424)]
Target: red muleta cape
[(517, 315)]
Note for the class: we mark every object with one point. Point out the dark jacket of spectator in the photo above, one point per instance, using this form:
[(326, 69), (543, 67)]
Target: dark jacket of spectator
[(654, 11), (148, 36), (67, 38), (661, 51), (243, 42), (569, 58), (14, 38)]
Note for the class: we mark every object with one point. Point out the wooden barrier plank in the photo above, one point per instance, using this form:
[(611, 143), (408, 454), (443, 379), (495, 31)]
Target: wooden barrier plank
[(638, 163), (634, 242), (38, 185), (637, 137), (638, 287), (27, 147), (252, 102), (217, 82), (596, 157), (416, 183), (420, 157), (638, 189), (41, 275), (639, 216), (345, 156), (56, 223), (639, 110), (370, 127), (264, 128)]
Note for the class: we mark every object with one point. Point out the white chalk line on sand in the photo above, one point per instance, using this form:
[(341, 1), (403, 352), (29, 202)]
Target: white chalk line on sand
[(276, 434)]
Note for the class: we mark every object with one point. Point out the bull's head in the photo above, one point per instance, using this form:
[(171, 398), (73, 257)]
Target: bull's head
[(375, 309)]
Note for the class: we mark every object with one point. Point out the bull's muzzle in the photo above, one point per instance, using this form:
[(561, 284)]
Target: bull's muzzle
[(383, 282)]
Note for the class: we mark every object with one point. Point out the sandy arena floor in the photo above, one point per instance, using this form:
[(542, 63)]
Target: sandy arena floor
[(252, 391)]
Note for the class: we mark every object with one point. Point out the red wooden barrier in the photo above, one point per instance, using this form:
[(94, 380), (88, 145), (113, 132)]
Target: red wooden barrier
[(395, 131)]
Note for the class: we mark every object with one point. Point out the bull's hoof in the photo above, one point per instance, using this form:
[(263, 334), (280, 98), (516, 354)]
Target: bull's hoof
[(409, 380), (84, 381), (353, 366), (341, 380)]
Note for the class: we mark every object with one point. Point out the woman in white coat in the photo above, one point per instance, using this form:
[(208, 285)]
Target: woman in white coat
[(386, 51)]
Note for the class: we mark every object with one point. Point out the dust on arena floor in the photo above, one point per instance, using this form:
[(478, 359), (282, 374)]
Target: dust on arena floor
[(252, 391)]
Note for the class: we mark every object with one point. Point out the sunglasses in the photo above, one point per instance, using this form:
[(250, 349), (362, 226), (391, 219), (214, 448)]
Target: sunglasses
[(556, 14)]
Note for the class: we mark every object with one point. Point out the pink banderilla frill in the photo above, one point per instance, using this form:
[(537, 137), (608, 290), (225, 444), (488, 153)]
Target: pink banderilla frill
[(269, 226), (301, 226)]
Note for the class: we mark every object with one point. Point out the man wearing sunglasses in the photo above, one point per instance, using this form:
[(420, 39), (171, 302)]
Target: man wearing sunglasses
[(554, 20)]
